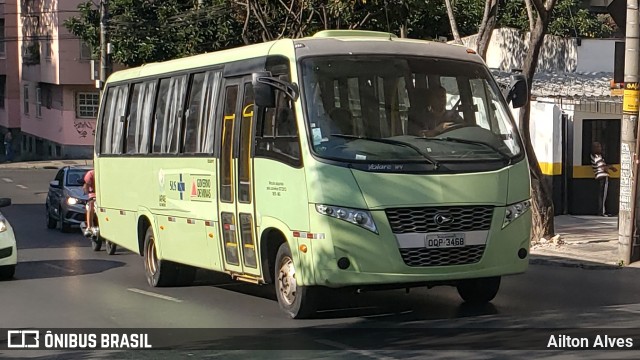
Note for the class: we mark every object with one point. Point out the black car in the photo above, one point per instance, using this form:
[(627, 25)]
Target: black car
[(66, 199)]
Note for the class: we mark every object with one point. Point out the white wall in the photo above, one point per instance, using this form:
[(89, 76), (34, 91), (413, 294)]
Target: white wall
[(596, 55), (546, 132), (508, 48)]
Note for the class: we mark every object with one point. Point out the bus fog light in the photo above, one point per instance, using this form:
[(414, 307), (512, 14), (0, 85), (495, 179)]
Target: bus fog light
[(344, 263), (522, 253), (514, 211), (357, 217)]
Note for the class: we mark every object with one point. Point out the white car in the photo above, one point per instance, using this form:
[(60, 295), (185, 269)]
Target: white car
[(8, 249)]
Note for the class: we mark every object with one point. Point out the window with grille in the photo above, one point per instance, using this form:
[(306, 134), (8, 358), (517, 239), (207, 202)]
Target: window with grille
[(87, 104)]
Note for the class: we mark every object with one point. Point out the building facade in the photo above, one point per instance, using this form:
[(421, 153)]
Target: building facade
[(58, 101), (572, 106), (9, 77)]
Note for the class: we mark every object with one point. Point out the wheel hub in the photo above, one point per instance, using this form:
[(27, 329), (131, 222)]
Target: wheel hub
[(151, 257), (287, 281)]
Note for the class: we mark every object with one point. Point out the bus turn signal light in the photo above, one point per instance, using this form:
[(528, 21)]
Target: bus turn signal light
[(303, 248)]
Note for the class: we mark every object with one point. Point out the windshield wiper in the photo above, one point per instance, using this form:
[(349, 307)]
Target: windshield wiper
[(502, 154), (433, 161)]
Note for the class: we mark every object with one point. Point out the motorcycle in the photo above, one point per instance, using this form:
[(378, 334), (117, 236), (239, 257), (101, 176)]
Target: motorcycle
[(94, 233)]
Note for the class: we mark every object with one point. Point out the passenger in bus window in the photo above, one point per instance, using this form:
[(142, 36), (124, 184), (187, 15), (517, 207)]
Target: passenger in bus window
[(601, 173)]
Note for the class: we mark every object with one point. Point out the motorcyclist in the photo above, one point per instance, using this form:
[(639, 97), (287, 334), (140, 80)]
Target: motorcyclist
[(90, 189)]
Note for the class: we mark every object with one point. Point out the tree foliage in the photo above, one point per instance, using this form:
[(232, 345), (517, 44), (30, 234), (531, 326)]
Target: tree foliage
[(568, 18), (148, 30), (144, 31)]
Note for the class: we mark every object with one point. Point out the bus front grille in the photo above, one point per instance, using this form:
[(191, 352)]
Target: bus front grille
[(426, 219), (442, 257)]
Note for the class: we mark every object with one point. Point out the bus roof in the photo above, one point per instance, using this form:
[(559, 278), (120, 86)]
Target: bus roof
[(327, 42)]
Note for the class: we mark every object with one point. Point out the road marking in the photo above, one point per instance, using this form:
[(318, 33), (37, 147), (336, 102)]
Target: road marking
[(159, 296), (59, 268), (634, 311), (7, 180), (366, 353), (21, 186)]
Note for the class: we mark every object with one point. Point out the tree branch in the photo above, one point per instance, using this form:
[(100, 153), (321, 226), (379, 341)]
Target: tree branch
[(532, 21)]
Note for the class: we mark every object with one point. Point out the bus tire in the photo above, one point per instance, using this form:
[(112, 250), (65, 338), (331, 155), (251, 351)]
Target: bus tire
[(479, 291), (159, 273), (298, 302)]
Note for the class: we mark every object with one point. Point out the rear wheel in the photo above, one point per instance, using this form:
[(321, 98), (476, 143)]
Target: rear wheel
[(296, 300), (7, 272), (96, 244), (479, 291), (111, 247), (159, 273)]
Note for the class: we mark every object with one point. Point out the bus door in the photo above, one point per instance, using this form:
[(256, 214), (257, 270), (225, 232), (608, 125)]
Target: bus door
[(237, 212)]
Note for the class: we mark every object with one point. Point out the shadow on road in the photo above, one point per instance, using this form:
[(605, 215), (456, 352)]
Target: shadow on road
[(44, 269)]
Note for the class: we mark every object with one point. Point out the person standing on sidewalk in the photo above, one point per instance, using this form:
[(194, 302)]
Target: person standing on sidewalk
[(8, 146), (601, 173)]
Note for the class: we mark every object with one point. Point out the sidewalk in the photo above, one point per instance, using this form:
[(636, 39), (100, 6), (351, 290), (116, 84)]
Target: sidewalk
[(585, 241), (48, 164)]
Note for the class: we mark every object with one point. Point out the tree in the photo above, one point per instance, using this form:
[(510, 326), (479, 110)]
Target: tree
[(452, 21), (543, 214), (485, 31), (148, 31)]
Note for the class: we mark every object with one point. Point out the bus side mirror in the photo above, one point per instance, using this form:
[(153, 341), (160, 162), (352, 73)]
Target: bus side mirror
[(518, 91), (263, 92)]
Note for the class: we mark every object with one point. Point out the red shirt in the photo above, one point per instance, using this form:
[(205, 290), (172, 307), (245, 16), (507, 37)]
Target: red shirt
[(89, 180)]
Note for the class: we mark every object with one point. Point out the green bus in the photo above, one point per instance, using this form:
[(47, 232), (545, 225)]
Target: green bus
[(348, 159)]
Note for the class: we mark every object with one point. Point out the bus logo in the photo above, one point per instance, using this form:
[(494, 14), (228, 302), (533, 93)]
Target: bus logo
[(443, 219)]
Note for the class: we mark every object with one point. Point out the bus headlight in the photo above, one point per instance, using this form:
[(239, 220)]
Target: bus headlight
[(3, 224), (358, 217), (514, 211), (72, 200)]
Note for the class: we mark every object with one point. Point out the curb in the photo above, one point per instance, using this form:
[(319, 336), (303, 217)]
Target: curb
[(572, 263)]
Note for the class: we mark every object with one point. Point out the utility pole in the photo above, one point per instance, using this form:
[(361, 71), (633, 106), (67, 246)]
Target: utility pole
[(628, 144), (105, 53)]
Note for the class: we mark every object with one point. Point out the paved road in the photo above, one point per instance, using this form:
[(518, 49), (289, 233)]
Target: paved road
[(61, 283)]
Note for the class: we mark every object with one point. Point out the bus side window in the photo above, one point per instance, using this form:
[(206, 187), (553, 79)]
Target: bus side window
[(112, 120)]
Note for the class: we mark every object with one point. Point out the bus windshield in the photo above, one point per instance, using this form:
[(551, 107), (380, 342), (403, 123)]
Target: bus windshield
[(450, 110)]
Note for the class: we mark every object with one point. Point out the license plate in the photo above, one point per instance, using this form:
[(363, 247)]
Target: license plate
[(444, 240)]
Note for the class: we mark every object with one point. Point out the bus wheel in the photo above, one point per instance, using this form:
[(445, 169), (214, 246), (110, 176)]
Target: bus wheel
[(111, 247), (297, 301), (479, 291), (159, 273)]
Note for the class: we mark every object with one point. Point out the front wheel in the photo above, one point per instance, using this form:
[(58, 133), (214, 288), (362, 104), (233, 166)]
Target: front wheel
[(479, 291), (296, 300), (51, 222), (65, 227)]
